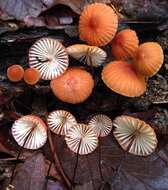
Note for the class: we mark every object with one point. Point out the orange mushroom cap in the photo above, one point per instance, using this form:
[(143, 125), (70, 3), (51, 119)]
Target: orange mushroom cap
[(149, 58), (31, 76), (74, 86), (125, 44), (98, 24), (15, 73), (121, 77)]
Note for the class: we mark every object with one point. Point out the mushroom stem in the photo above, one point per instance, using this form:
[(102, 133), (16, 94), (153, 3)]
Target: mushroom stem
[(76, 163), (99, 154), (56, 160), (17, 158), (90, 172), (48, 173)]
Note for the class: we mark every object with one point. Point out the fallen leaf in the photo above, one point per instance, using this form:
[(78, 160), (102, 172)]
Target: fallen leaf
[(52, 185), (31, 176), (120, 170), (21, 9)]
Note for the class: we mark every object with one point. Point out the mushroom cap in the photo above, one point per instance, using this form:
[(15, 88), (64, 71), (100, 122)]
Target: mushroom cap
[(81, 139), (60, 121), (149, 58), (121, 77), (98, 24), (15, 73), (31, 76), (101, 124), (125, 44), (90, 55), (49, 57), (134, 135), (74, 86), (30, 130)]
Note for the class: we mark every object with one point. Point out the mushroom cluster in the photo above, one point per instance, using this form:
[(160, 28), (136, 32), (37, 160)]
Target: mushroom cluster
[(98, 23), (134, 135), (127, 75)]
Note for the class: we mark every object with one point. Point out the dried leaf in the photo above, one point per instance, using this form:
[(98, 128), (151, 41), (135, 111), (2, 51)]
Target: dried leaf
[(51, 185), (120, 170), (31, 175), (21, 9)]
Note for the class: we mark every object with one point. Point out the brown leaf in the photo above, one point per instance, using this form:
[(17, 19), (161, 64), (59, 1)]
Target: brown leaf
[(120, 170), (31, 175), (51, 185), (21, 9)]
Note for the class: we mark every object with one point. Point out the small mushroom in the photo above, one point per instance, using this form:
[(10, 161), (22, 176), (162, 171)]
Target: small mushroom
[(125, 44), (15, 73), (60, 121), (90, 55), (134, 135), (74, 86), (49, 57), (81, 139), (98, 24), (30, 132), (101, 124), (121, 77), (149, 58), (31, 76)]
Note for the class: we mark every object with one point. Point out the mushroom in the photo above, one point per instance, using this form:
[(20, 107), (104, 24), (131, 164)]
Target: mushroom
[(49, 57), (125, 44), (60, 121), (102, 125), (149, 58), (98, 24), (30, 132), (82, 140), (134, 135), (90, 55), (31, 76), (122, 78), (15, 73), (74, 86)]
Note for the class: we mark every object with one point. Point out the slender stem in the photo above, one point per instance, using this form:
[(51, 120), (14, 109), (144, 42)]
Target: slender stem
[(76, 163), (58, 165), (48, 173), (19, 153), (99, 154), (90, 172)]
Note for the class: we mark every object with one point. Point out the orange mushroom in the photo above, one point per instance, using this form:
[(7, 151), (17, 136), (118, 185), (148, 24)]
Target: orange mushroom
[(31, 76), (98, 24), (149, 58), (121, 77), (74, 86), (15, 73), (125, 44)]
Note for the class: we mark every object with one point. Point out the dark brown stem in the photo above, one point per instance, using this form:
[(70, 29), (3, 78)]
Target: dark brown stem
[(76, 163), (58, 165), (48, 173), (99, 154), (90, 172), (17, 158)]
